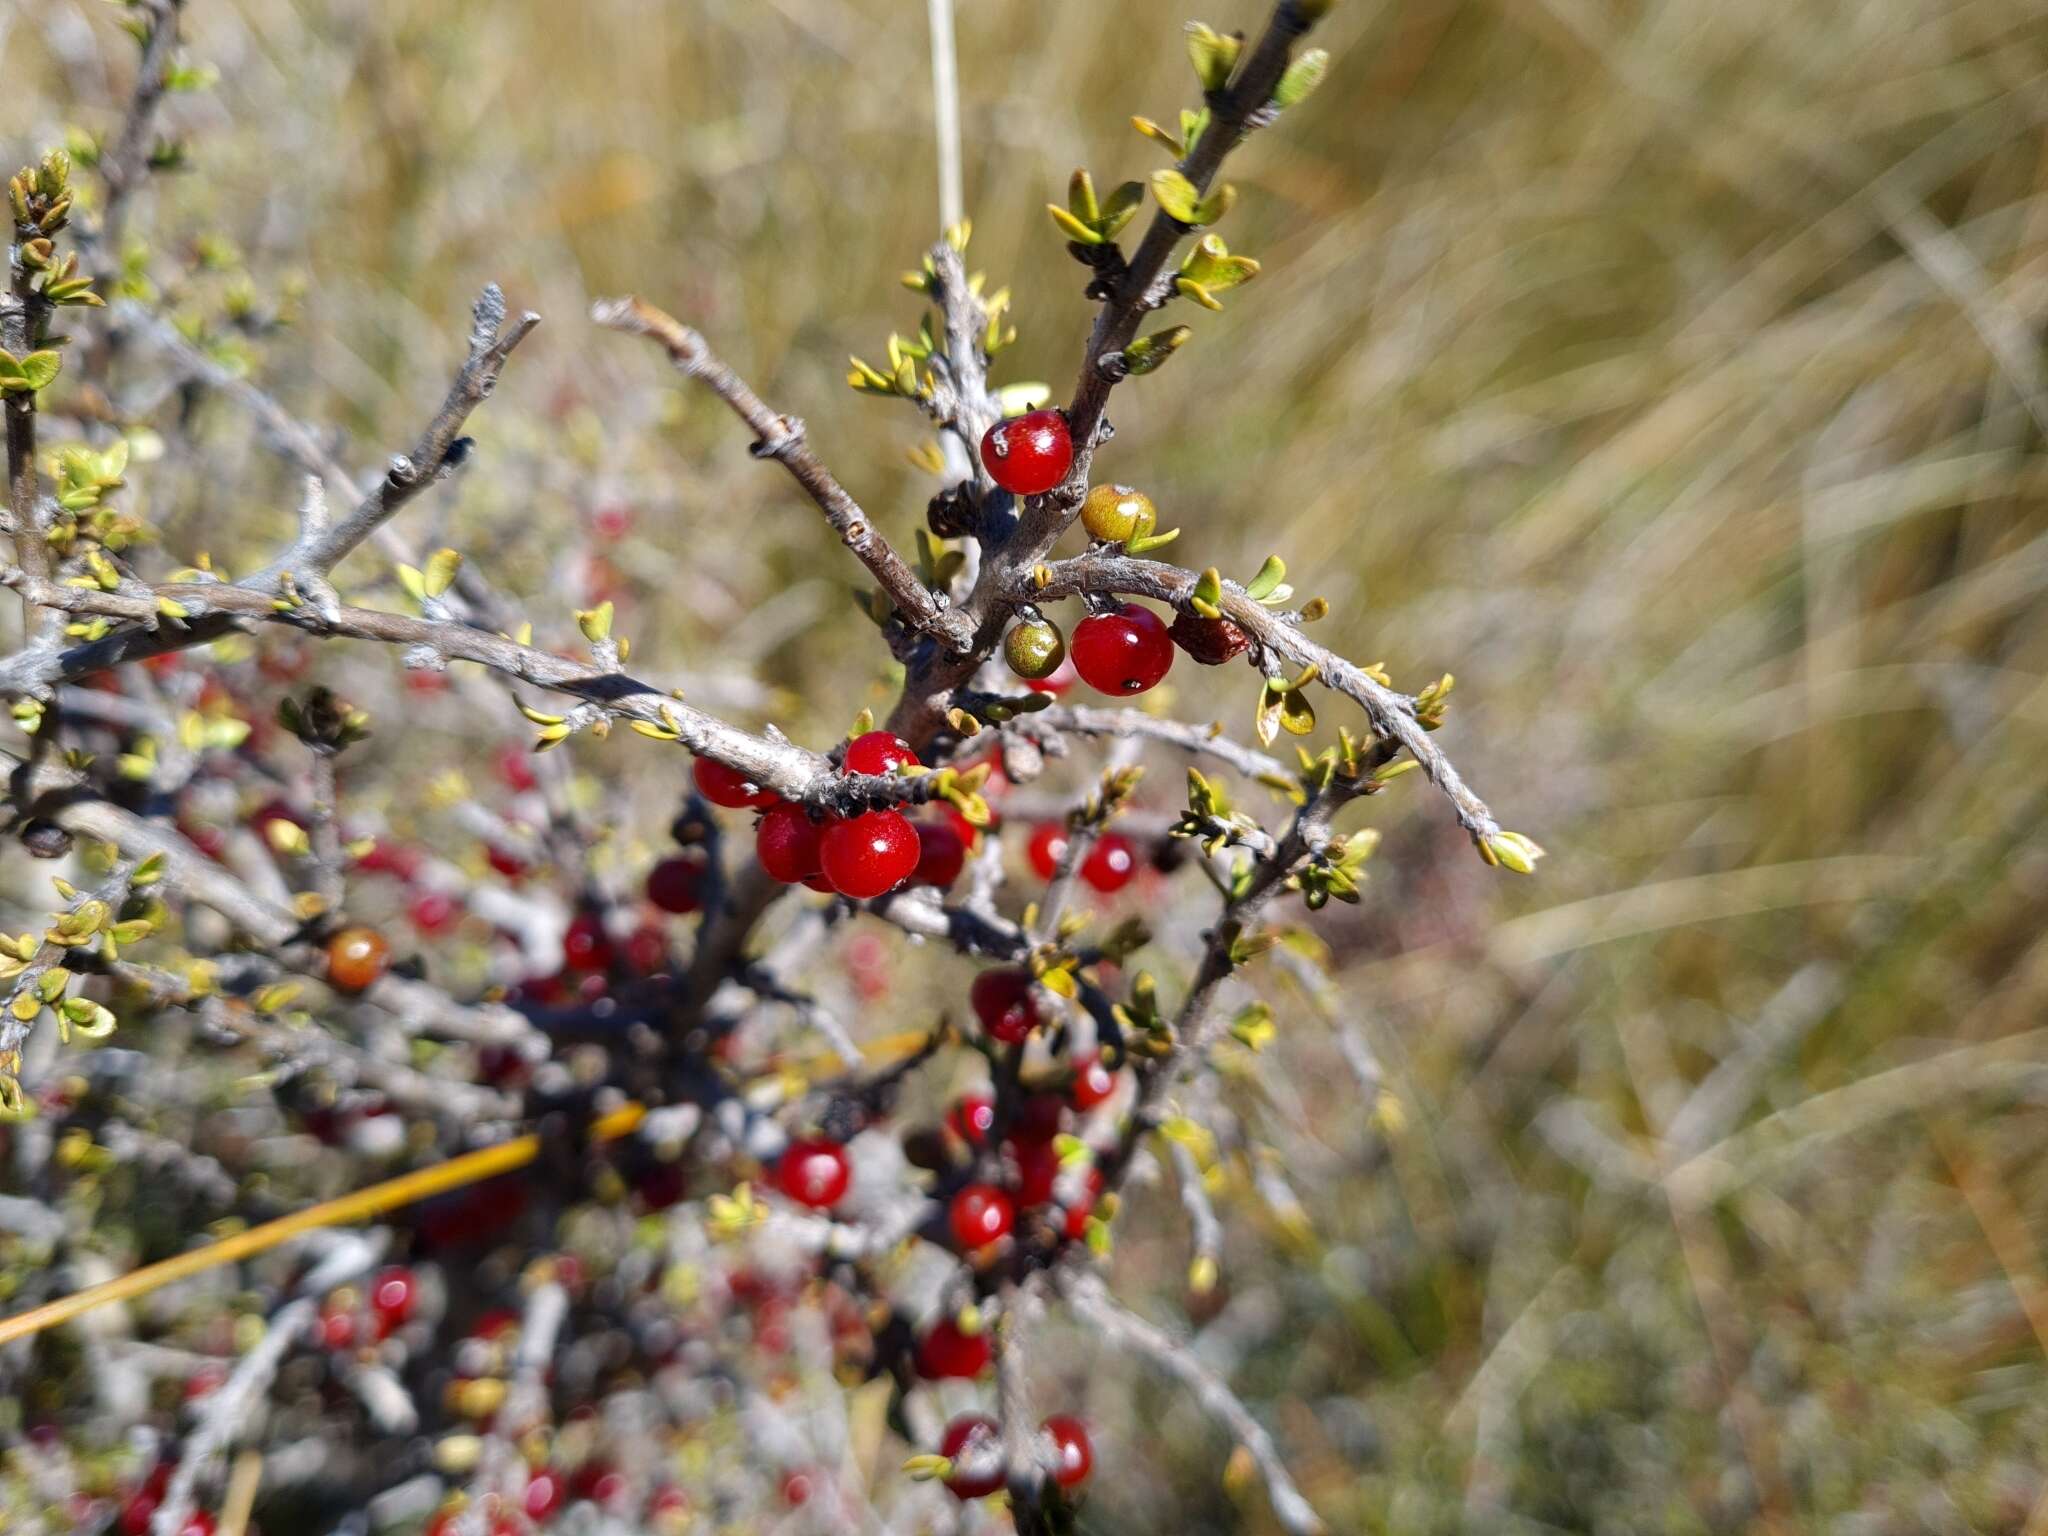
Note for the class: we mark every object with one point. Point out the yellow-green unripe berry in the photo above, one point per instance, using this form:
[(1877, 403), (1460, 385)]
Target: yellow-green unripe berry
[(1116, 514), (1034, 649)]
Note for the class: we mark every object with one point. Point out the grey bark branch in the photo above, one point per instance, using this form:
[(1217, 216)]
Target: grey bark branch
[(781, 438), (1090, 1301), (492, 338)]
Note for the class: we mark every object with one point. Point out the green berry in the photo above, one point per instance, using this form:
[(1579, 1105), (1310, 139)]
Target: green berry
[(1116, 514), (1034, 648)]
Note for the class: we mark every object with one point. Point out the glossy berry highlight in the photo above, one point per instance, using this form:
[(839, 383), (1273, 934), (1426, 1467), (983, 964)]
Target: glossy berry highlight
[(864, 856), (356, 958), (974, 1444), (1110, 863), (979, 1215), (1002, 1000), (1124, 652), (1047, 847), (1114, 514), (878, 752), (1028, 454), (815, 1173), (729, 787), (1073, 1455)]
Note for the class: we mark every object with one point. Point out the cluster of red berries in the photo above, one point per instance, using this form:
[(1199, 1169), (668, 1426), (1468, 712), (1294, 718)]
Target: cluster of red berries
[(138, 1511), (982, 1213), (860, 857), (1108, 868), (973, 1443), (350, 1318)]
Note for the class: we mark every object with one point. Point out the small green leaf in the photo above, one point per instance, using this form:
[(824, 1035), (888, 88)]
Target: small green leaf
[(1081, 198), (1119, 208), (1177, 195), (1271, 574), (1071, 227), (439, 575), (1302, 77), (1213, 54), (1208, 594), (1147, 353)]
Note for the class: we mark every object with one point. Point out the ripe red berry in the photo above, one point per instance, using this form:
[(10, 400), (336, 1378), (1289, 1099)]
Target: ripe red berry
[(676, 884), (979, 1215), (1047, 847), (356, 958), (946, 1353), (1110, 863), (1002, 1000), (647, 950), (1212, 642), (515, 768), (432, 911), (729, 787), (941, 852), (786, 843), (585, 945), (393, 1295), (504, 861), (198, 1523), (1028, 454), (972, 1119), (877, 752), (974, 1444), (337, 1328), (1073, 1455), (1038, 1169), (865, 855), (1124, 652), (1094, 1083), (814, 1173), (544, 1494)]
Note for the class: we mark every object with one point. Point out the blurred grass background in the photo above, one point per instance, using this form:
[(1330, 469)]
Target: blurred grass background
[(1673, 374)]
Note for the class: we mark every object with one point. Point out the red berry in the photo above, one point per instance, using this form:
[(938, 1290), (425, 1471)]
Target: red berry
[(137, 1513), (818, 882), (1002, 1001), (515, 768), (796, 1488), (1038, 1169), (1028, 454), (544, 1494), (941, 852), (356, 958), (1212, 642), (980, 1214), (586, 946), (1037, 1118), (1093, 1084), (198, 1523), (504, 861), (877, 752), (947, 1353), (677, 884), (337, 1328), (385, 857), (814, 1173), (647, 950), (972, 1119), (786, 843), (975, 1440), (393, 1295), (1124, 652), (432, 911), (728, 786), (868, 854), (1073, 1456), (1047, 847), (1110, 863)]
